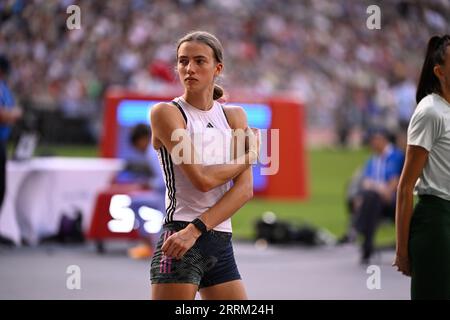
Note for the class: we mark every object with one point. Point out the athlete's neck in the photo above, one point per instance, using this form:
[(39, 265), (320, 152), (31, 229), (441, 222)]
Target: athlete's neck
[(202, 101)]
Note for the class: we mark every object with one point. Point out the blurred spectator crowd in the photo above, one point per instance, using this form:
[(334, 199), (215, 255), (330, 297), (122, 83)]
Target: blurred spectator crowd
[(318, 51)]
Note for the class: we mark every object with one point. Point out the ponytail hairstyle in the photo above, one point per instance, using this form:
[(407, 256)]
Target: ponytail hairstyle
[(429, 82), (214, 43)]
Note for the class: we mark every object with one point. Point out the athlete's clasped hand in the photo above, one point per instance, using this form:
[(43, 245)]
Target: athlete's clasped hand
[(180, 242), (254, 142)]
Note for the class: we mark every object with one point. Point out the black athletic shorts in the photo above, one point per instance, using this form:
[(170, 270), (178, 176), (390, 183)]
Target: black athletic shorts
[(210, 261)]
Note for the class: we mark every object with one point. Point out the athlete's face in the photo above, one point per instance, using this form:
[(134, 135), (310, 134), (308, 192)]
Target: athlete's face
[(197, 66)]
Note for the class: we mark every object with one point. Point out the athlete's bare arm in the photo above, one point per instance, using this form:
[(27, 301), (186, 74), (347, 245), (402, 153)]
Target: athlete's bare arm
[(242, 190), (415, 161), (165, 119)]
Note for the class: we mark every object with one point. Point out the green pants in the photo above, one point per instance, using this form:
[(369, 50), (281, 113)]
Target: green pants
[(429, 249)]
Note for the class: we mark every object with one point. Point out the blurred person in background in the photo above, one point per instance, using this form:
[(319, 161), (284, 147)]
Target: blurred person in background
[(353, 189), (423, 232), (140, 138), (195, 251), (9, 115), (372, 196)]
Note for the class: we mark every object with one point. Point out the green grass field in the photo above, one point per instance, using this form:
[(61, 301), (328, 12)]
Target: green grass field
[(329, 171)]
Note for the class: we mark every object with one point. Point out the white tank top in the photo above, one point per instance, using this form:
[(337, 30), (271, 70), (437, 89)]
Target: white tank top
[(184, 202)]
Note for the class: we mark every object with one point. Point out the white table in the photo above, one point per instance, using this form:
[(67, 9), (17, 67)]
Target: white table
[(41, 190)]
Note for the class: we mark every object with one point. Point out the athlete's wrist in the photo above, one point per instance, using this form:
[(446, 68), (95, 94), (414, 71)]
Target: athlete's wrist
[(200, 225), (196, 233)]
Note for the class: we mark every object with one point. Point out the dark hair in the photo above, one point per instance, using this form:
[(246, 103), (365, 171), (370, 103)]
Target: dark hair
[(139, 131), (4, 65), (214, 43), (435, 54), (378, 131)]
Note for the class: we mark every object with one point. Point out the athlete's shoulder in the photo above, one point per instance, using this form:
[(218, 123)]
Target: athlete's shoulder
[(236, 116), (234, 110), (163, 112), (162, 108)]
